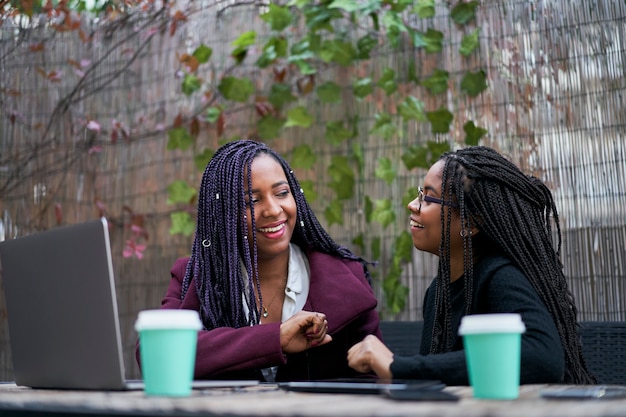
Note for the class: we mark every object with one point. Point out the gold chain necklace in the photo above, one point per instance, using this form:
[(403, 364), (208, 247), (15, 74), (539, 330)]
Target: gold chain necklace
[(264, 309)]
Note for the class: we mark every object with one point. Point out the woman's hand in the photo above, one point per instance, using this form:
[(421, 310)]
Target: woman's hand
[(303, 330), (371, 355)]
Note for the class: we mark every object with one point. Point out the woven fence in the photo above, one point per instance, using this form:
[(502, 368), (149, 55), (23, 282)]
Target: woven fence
[(83, 133)]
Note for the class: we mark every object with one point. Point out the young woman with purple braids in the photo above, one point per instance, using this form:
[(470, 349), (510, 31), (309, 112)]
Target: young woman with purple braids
[(492, 227), (279, 299)]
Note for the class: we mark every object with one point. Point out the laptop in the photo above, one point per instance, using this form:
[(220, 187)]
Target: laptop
[(62, 313), (362, 386)]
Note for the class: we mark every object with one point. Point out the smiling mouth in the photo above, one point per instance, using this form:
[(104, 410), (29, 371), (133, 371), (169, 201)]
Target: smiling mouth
[(271, 229), (413, 223)]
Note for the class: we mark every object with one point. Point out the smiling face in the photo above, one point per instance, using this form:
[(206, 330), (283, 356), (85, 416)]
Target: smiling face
[(274, 208), (425, 222)]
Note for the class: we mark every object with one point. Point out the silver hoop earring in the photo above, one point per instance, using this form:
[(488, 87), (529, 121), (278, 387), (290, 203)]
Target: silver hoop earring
[(465, 233)]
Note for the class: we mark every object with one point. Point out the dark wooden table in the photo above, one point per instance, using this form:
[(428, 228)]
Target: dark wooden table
[(268, 400)]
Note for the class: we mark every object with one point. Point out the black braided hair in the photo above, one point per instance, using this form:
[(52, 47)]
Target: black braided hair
[(220, 246), (514, 213)]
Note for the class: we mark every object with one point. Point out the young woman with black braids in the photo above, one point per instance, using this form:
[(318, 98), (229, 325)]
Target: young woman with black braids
[(279, 299), (492, 228)]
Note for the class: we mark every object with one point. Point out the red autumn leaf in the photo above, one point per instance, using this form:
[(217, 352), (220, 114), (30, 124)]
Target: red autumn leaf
[(178, 121), (58, 214), (194, 128), (74, 63), (37, 47), (101, 207), (279, 75), (220, 124)]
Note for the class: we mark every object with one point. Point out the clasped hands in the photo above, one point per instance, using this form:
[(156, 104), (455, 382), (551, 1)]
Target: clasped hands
[(304, 330)]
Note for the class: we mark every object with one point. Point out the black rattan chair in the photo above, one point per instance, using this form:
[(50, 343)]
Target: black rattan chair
[(604, 349), (402, 337)]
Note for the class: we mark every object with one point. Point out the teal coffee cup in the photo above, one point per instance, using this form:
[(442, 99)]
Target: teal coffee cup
[(167, 348), (493, 350)]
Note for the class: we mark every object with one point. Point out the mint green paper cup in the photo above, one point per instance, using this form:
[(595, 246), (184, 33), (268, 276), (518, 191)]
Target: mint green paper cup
[(493, 351), (167, 347)]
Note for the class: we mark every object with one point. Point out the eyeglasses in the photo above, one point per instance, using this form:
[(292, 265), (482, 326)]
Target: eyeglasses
[(421, 197)]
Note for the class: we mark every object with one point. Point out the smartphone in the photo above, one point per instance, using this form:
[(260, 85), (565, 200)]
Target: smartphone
[(421, 394), (582, 392)]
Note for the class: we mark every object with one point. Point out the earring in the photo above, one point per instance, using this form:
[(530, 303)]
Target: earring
[(465, 233)]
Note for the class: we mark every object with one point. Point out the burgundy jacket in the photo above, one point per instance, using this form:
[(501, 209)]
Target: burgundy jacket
[(338, 288)]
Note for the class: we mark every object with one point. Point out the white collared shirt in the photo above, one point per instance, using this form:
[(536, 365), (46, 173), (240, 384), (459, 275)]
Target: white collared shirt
[(296, 293), (298, 281)]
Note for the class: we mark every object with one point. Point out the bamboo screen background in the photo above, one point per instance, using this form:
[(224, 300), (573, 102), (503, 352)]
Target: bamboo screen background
[(555, 106)]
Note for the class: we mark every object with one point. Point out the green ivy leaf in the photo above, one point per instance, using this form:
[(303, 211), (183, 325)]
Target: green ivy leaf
[(278, 17), (359, 241), (202, 53), (412, 109), (438, 82), (473, 133), (403, 247), (280, 94), (464, 12), (440, 120), (319, 18), (190, 84), (415, 157), (399, 6), (375, 247), (212, 114), (342, 177), (436, 149), (338, 51), (383, 126), (274, 48), (419, 41), (180, 192), (388, 81), (368, 208), (178, 138), (469, 43), (305, 67), (302, 156), (424, 8), (409, 195), (385, 170), (395, 26), (336, 133), (269, 127), (241, 45), (433, 40), (365, 45), (362, 87), (383, 212), (308, 186), (236, 89), (395, 292), (347, 5), (182, 223), (334, 213), (202, 159), (412, 75), (474, 83), (329, 92), (298, 116), (357, 154)]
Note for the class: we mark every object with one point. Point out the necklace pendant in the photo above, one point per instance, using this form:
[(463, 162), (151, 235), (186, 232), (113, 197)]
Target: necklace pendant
[(265, 313)]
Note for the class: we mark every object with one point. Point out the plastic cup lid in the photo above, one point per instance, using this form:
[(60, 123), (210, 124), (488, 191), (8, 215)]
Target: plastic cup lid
[(168, 319), (492, 323)]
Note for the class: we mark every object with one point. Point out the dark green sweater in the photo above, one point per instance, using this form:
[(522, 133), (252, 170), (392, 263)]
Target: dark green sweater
[(499, 287)]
